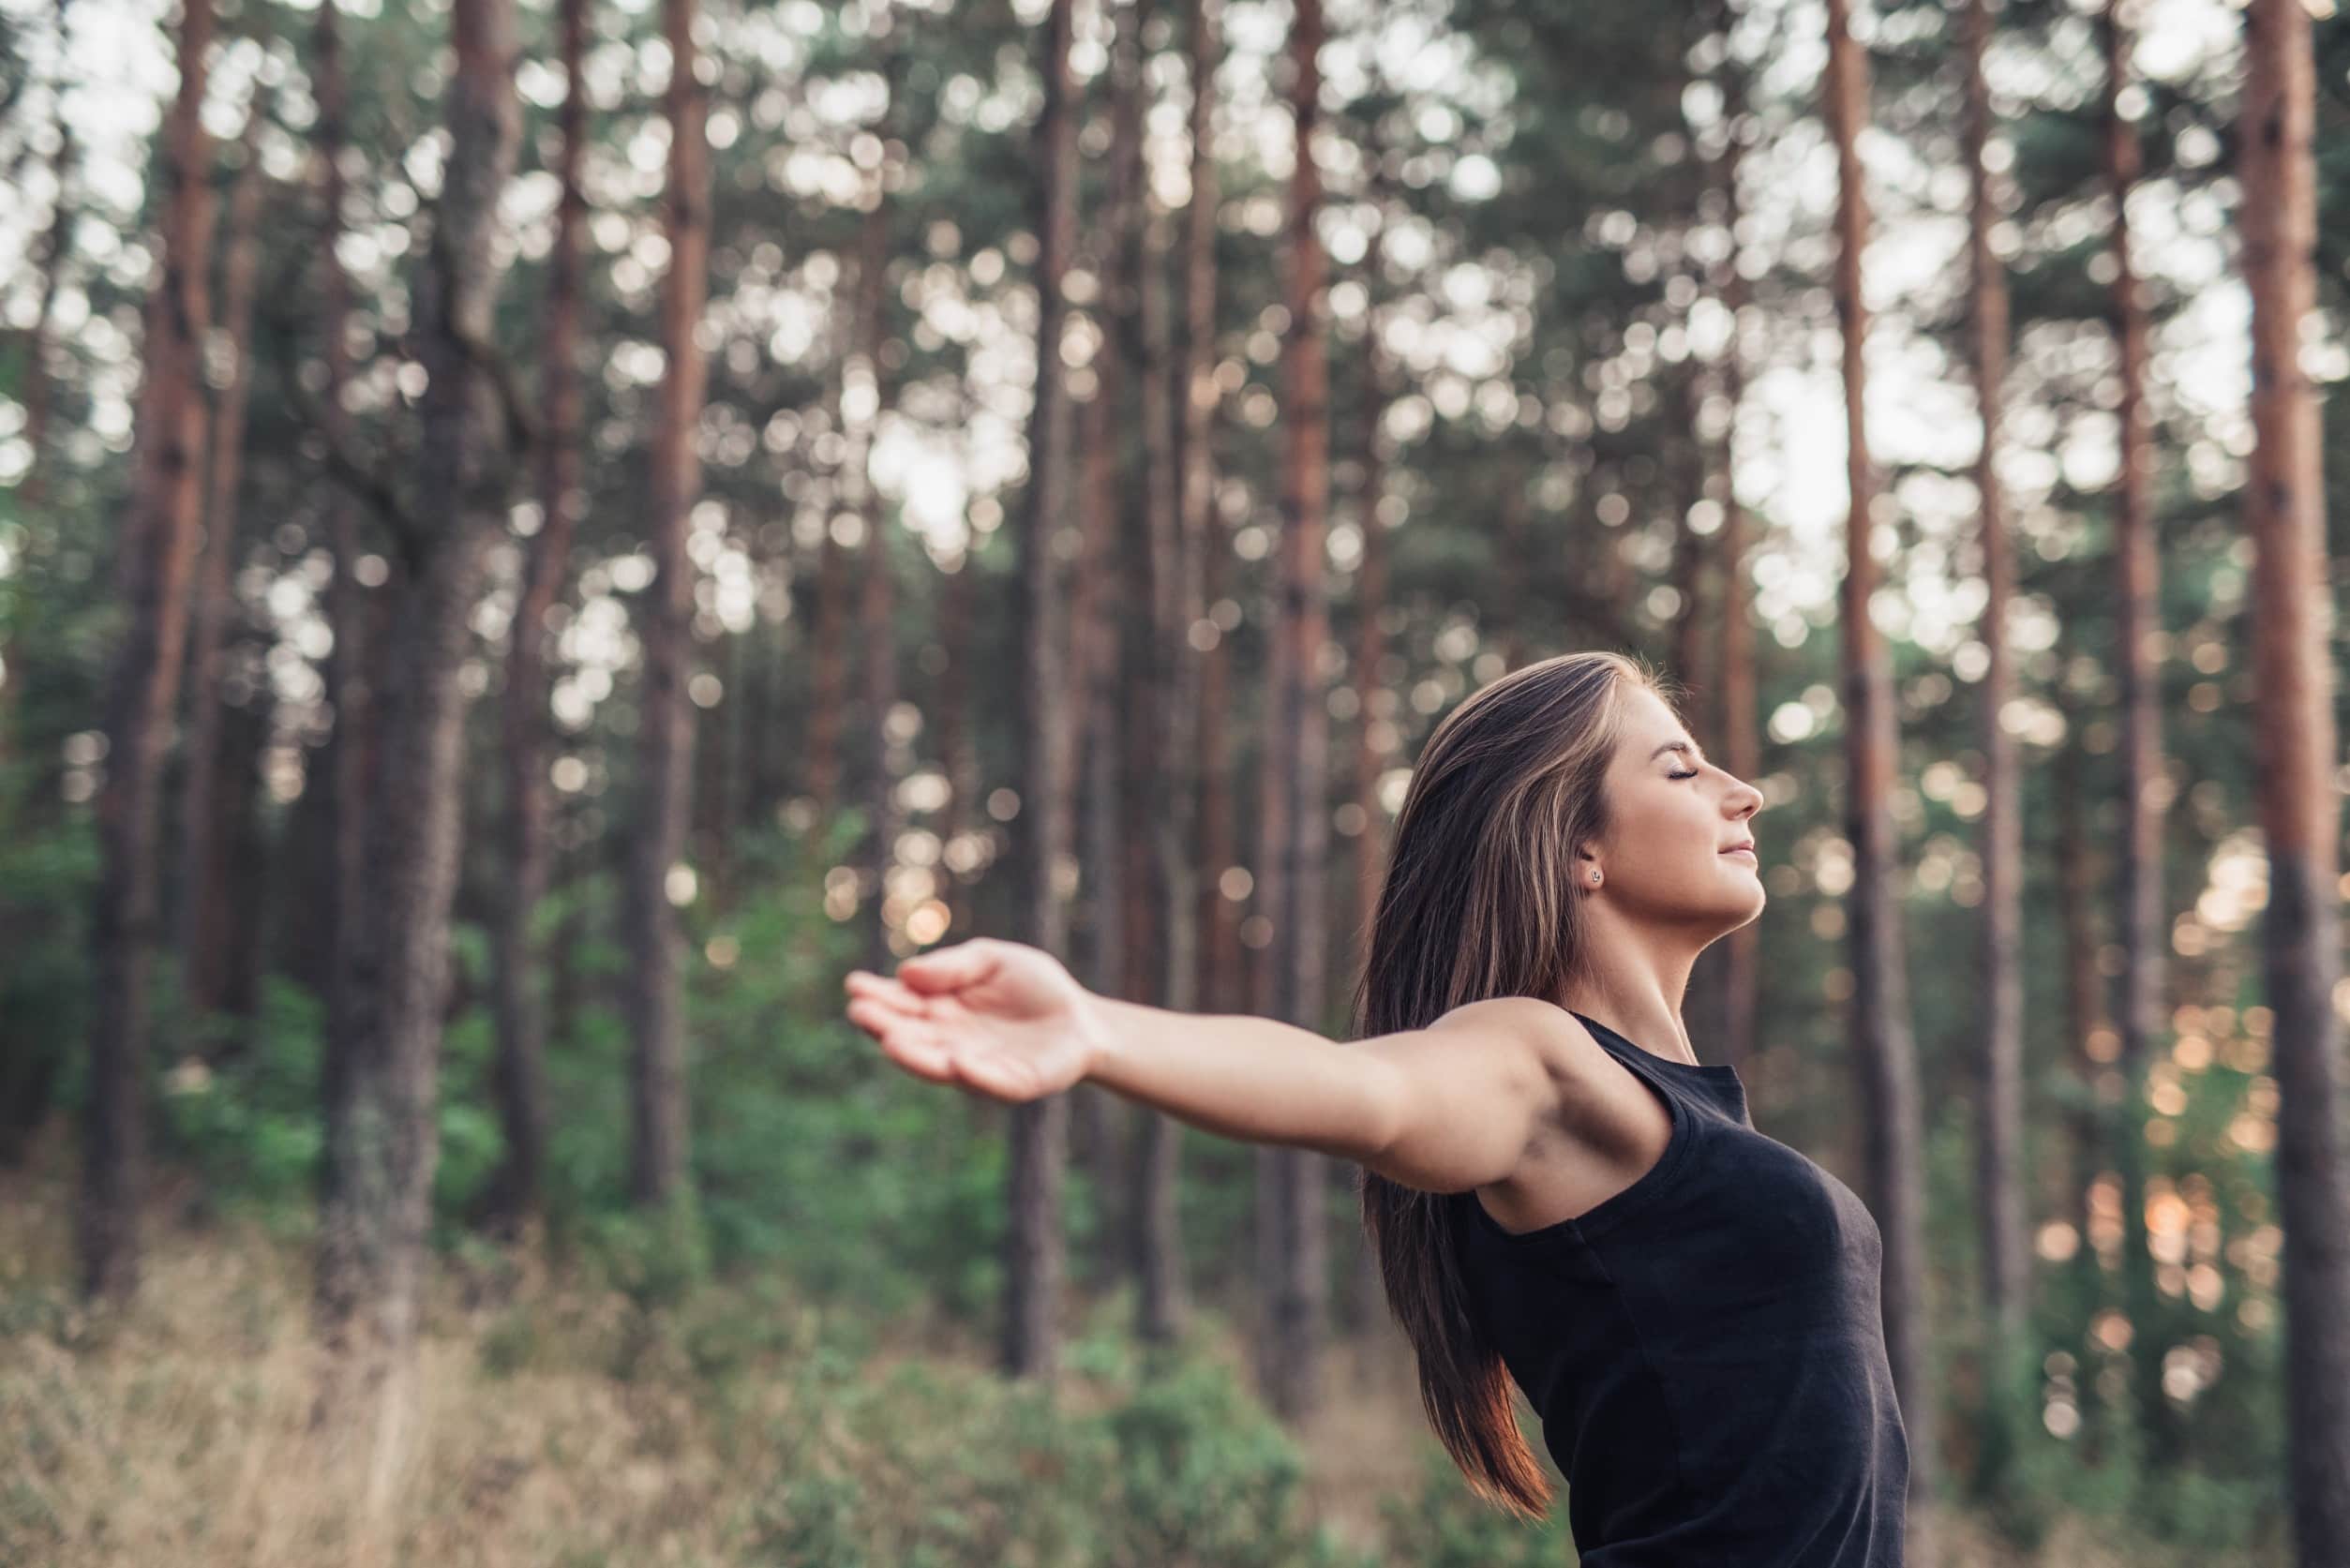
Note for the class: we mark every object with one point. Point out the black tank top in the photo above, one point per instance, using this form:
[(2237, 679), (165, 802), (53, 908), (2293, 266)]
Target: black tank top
[(1704, 1348)]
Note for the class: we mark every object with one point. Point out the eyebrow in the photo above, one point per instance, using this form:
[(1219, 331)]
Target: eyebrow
[(1682, 746)]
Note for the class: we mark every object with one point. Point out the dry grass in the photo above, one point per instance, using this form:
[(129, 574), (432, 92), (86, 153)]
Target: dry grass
[(180, 1431)]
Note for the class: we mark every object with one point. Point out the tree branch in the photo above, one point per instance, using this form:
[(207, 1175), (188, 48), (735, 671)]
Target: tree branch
[(522, 431), (363, 479)]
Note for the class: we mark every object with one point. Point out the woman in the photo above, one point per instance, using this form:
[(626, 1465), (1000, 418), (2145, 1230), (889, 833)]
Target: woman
[(1556, 1191)]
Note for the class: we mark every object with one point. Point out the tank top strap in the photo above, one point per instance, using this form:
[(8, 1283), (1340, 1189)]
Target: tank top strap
[(1714, 1085)]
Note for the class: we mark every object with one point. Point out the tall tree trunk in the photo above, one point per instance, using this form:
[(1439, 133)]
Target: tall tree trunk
[(1295, 818), (827, 674), (864, 397), (383, 1138), (835, 579), (1176, 433), (2295, 757), (247, 851), (2082, 1008), (1703, 1000), (1375, 737), (2000, 1109), (1884, 1046), (1689, 552), (762, 700), (1509, 613), (1034, 1246), (513, 1198), (1222, 981), (1102, 604), (205, 918), (360, 617), (657, 1145), (958, 619), (155, 555), (1741, 739), (1146, 542), (2144, 789), (717, 761)]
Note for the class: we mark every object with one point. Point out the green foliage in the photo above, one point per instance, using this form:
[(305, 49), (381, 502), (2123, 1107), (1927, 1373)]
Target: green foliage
[(653, 1257), (1447, 1526), (809, 1148), (47, 873), (1204, 1477), (253, 1124), (947, 1467), (470, 1139)]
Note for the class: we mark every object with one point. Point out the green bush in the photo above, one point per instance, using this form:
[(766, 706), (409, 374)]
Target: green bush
[(252, 1123), (953, 1468), (1447, 1526)]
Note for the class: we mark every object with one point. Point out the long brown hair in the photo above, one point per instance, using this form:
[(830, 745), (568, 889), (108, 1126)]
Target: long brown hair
[(1479, 901)]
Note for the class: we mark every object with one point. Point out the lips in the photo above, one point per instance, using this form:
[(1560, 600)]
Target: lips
[(1746, 849)]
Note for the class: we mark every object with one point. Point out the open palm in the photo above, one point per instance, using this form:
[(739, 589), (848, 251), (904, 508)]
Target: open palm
[(1001, 1018)]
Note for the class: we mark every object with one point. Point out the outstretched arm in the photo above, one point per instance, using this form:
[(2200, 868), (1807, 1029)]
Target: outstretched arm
[(1443, 1108)]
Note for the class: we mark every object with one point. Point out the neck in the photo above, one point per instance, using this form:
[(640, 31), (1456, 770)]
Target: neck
[(1637, 977)]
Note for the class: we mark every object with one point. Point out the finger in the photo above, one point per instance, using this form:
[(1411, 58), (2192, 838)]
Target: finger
[(882, 1021), (875, 988), (916, 1050), (950, 968)]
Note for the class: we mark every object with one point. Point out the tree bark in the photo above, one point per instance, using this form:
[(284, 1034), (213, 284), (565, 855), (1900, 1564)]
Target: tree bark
[(1741, 739), (359, 616), (2000, 1109), (1295, 818), (958, 618), (1104, 604), (1034, 1248), (383, 1140), (246, 849), (1691, 618), (2082, 1012), (658, 1143), (513, 1198), (1144, 518), (865, 397), (1885, 1050), (2294, 762), (1703, 1001), (1375, 739), (155, 555), (205, 916), (1179, 402), (2145, 980)]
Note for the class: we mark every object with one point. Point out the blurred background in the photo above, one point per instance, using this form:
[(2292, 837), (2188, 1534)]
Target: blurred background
[(533, 536)]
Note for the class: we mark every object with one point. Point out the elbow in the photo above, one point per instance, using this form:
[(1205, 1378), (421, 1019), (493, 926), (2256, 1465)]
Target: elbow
[(1381, 1128)]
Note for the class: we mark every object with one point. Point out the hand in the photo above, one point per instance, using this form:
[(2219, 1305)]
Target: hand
[(1002, 1018)]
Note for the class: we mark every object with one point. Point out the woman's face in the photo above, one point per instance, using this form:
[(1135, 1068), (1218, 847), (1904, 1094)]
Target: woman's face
[(1673, 818)]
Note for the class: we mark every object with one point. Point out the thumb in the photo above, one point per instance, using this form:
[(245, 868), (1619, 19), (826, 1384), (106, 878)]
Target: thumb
[(949, 969)]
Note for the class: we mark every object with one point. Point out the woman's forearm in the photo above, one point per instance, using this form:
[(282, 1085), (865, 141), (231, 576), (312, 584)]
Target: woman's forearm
[(1240, 1076)]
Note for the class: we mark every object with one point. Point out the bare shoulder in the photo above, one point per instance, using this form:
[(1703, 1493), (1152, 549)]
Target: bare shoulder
[(1600, 1128), (1556, 1038)]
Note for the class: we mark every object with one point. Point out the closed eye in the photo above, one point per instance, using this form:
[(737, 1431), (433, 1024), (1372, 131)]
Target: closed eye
[(1690, 774)]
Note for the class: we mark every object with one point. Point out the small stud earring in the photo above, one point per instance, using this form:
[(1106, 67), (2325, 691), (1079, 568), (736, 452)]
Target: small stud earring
[(1594, 876)]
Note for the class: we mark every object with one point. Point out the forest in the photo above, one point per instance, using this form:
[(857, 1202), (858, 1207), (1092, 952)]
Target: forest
[(537, 535)]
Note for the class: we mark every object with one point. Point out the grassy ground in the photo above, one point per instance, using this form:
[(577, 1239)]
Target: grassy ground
[(558, 1422)]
